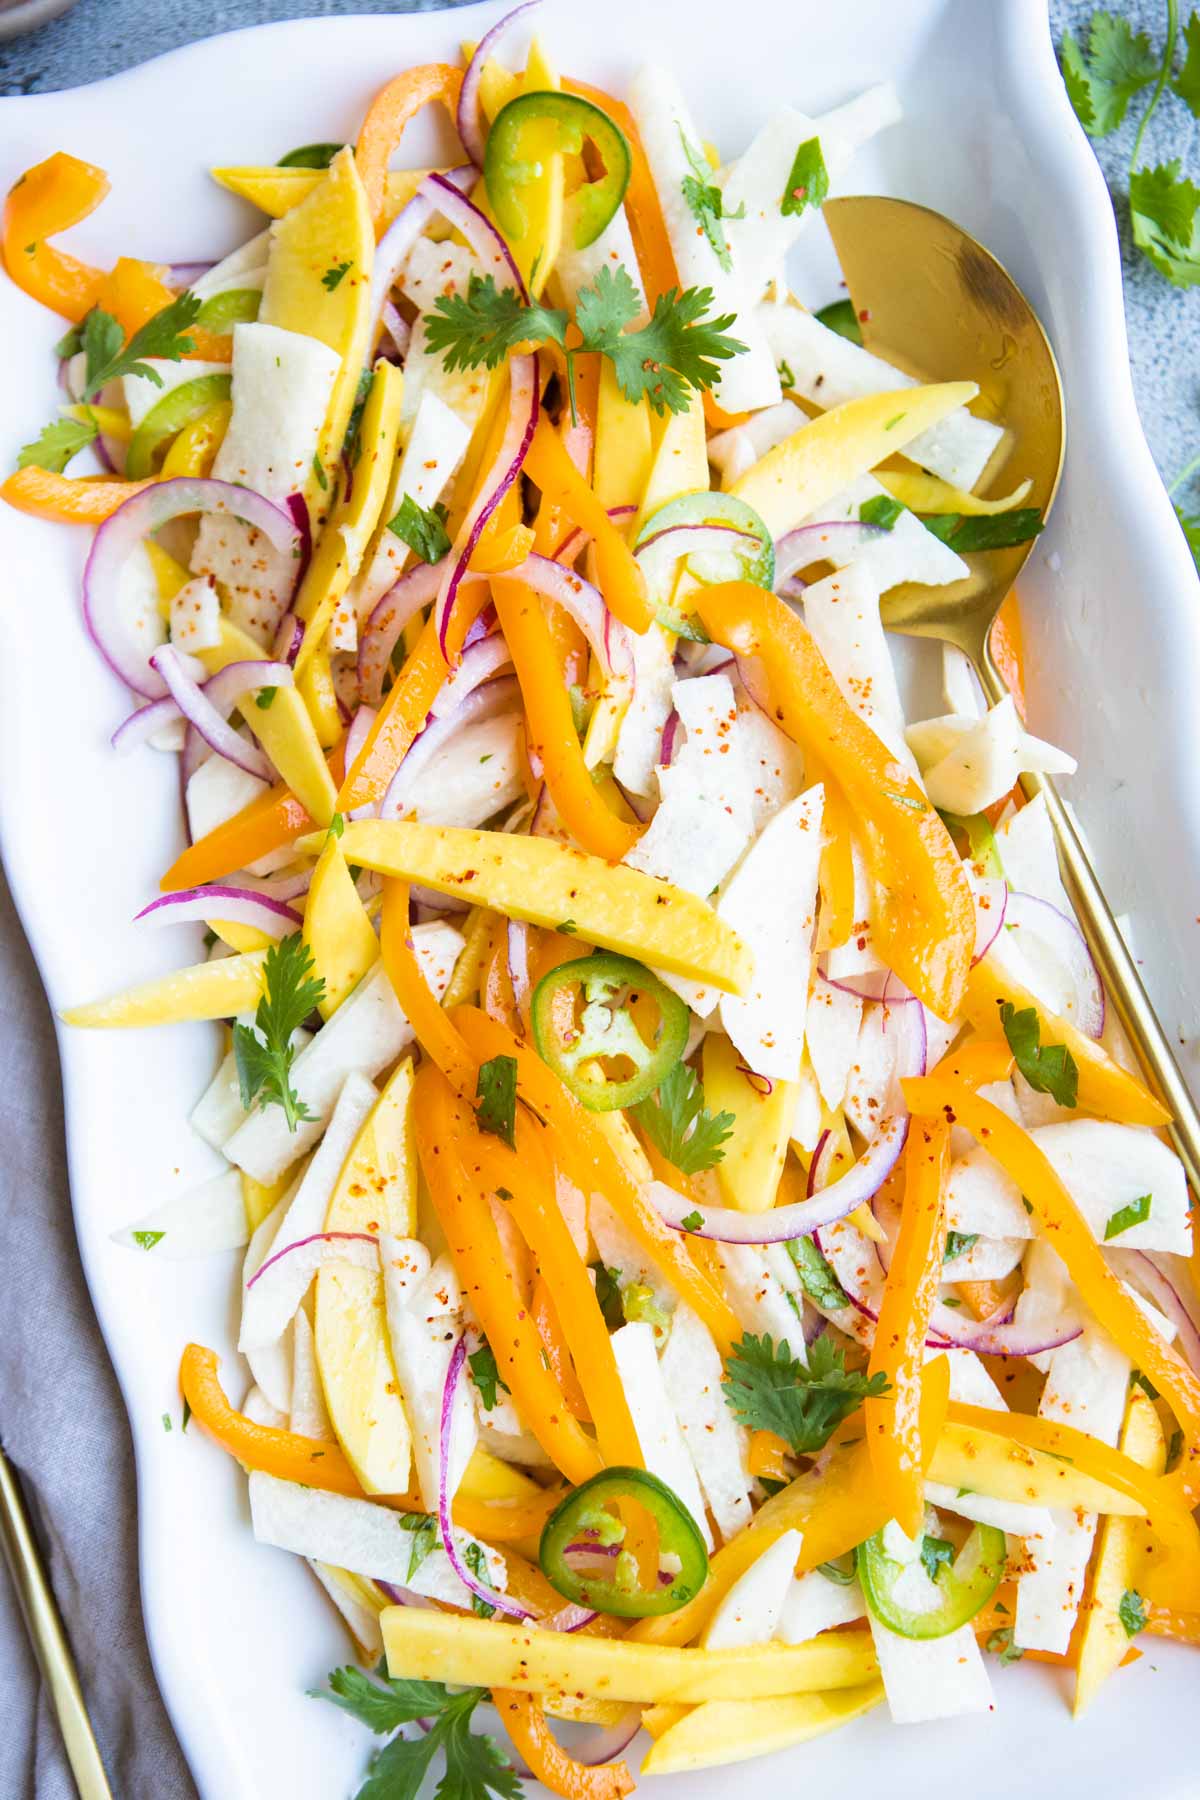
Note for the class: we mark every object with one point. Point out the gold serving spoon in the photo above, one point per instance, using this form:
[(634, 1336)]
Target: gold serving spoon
[(937, 304)]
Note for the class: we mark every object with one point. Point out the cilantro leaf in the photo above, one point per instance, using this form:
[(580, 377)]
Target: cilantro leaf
[(102, 340), (58, 443), (146, 1240), (1187, 83), (816, 1277), (1132, 1612), (1162, 212), (386, 1704), (881, 510), (163, 336), (1190, 525), (486, 1375), (808, 183), (958, 1243), (475, 1766), (1135, 1212), (980, 836), (1001, 1644), (705, 201), (841, 317), (333, 277), (69, 344), (608, 1295), (310, 156), (484, 324), (679, 348), (985, 531), (475, 1558), (496, 1092), (768, 1390), (676, 1121), (422, 528), (693, 1221), (1050, 1068), (934, 1552), (264, 1053), (1117, 64), (422, 1529), (400, 1768)]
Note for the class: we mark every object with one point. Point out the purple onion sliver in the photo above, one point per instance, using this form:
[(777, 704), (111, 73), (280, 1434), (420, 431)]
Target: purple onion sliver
[(491, 1596), (1066, 943), (317, 1237), (807, 543), (469, 120), (237, 905)]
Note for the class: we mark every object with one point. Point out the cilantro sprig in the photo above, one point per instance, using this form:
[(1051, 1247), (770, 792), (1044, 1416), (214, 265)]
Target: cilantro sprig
[(706, 203), (475, 1766), (263, 1052), (768, 1389), (486, 1375), (422, 528), (678, 1124), (496, 1092), (1048, 1068)]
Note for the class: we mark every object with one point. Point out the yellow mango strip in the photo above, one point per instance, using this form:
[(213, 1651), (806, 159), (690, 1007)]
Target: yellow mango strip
[(376, 1191), (329, 231), (388, 115), (892, 1421), (208, 990), (361, 496), (337, 930), (316, 689), (925, 915), (750, 1170), (524, 1719), (260, 1196), (195, 448), (432, 1646), (831, 451), (444, 1124), (835, 919), (923, 493), (536, 250), (624, 451), (726, 1731), (277, 191), (1124, 1548), (548, 883), (1104, 1087), (284, 729), (834, 1511), (107, 419), (1060, 1218), (68, 499), (434, 1032), (657, 1719), (624, 586), (464, 982), (680, 463), (1003, 1467), (585, 1153), (497, 85)]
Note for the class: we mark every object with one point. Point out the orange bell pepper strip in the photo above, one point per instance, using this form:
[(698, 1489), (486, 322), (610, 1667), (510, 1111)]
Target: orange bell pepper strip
[(986, 1299), (435, 1034), (977, 1063), (1168, 1621), (624, 586), (893, 1420), (551, 727), (525, 1722), (1008, 649), (387, 117), (836, 916), (47, 199), (1104, 1087), (587, 1158), (319, 1464), (527, 1177), (1060, 1218), (444, 1124), (926, 919), (264, 824), (133, 292), (768, 1455), (68, 499), (652, 246), (558, 1355)]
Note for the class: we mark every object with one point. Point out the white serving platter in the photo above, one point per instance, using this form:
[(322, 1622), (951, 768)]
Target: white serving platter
[(1113, 626)]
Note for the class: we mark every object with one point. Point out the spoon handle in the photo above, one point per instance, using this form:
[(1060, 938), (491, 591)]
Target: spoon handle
[(1118, 971)]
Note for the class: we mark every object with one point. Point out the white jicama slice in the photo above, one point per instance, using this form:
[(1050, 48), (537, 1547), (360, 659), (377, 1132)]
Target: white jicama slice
[(1026, 847), (734, 451), (692, 1373), (436, 442), (905, 553), (1049, 1303), (981, 1198), (310, 1417), (842, 613), (272, 1366), (270, 1301), (432, 270), (282, 383), (750, 380), (620, 1250), (813, 1603), (474, 777), (1006, 1515), (143, 393), (969, 1380), (807, 1119), (771, 902), (828, 369), (1086, 1387), (206, 1219), (639, 739), (757, 1295), (216, 791), (577, 269), (345, 1591), (987, 1259), (960, 685), (358, 1535), (776, 764), (872, 1090), (931, 1678), (1106, 1167), (857, 955), (196, 615), (367, 1032), (256, 1406), (663, 1449), (463, 391), (423, 1330), (219, 1111), (751, 1611), (969, 764), (242, 268)]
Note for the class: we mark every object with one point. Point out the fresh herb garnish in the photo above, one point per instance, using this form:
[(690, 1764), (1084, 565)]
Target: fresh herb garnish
[(496, 1092), (1050, 1068), (265, 698), (422, 1529), (1174, 1451), (333, 277), (310, 156), (422, 528), (475, 1766), (337, 825), (808, 183), (187, 1413), (1134, 1212), (980, 836), (58, 443), (677, 1123), (816, 1277), (959, 1242), (1137, 1379), (768, 1390), (1001, 1644), (146, 1240), (264, 1052), (841, 317), (842, 1571), (1132, 1612), (486, 1375), (967, 532), (934, 1552), (475, 1558), (881, 510), (608, 1294), (163, 336), (706, 203), (693, 1221), (318, 469), (480, 327)]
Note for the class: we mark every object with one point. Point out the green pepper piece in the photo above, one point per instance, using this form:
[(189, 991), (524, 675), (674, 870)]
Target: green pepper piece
[(168, 417), (233, 306), (606, 1028), (582, 1520), (506, 171), (743, 561), (841, 317), (310, 156), (965, 1585)]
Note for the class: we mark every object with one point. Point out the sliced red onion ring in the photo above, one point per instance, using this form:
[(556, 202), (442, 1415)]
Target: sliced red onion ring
[(670, 732), (318, 1248), (809, 544), (143, 724), (576, 538), (608, 637), (522, 422), (991, 906), (356, 737), (297, 507), (402, 1596), (1061, 936), (238, 905), (868, 986), (402, 602), (1144, 1270), (677, 541), (275, 887), (470, 121), (392, 250), (762, 1084), (477, 228), (223, 691), (493, 698), (606, 1742), (289, 635), (483, 659), (217, 733), (397, 328), (143, 513), (493, 1597), (182, 274)]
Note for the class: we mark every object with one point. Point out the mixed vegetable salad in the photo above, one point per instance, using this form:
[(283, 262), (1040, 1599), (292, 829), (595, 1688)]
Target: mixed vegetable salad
[(710, 1265)]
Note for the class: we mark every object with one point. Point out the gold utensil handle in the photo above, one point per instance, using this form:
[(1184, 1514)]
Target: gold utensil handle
[(1118, 971), (49, 1641)]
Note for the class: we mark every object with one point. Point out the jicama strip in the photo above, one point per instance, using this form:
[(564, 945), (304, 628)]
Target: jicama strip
[(726, 1731)]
